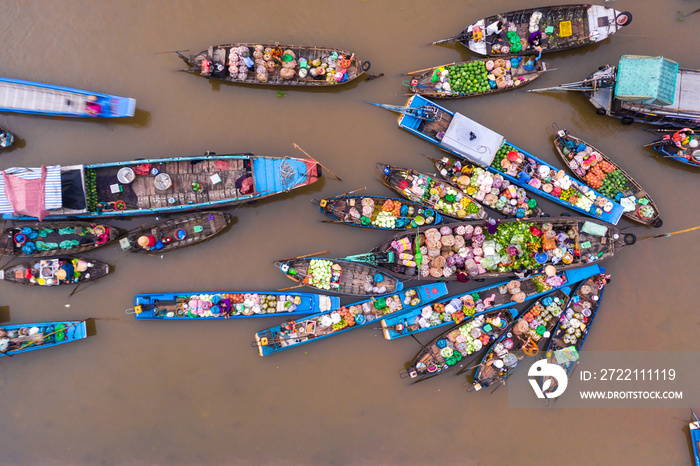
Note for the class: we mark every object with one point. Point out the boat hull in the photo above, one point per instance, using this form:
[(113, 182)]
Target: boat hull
[(35, 336)]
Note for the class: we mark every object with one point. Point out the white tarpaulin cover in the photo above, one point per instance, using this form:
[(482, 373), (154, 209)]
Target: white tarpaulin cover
[(480, 149)]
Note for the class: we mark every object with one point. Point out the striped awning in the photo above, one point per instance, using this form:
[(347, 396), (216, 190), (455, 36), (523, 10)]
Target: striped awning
[(52, 187)]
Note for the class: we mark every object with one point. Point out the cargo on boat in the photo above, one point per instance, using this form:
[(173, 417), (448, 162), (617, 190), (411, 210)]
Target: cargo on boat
[(16, 339)]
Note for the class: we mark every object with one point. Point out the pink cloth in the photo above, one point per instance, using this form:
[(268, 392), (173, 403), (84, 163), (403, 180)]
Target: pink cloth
[(26, 196)]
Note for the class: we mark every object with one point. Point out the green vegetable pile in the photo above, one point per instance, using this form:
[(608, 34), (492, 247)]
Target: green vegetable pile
[(518, 235), (91, 190), (615, 182)]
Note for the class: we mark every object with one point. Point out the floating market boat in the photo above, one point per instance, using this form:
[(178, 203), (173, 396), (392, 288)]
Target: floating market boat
[(549, 29), (466, 339), (339, 276), (170, 234), (489, 298), (378, 212), (695, 438), (489, 189), (599, 172), (441, 195), (465, 138), (21, 96), (42, 239), (574, 325), (475, 77), (15, 339), (277, 65), (229, 305), (464, 250), (533, 327), (150, 186), (55, 271), (6, 138), (683, 146), (644, 89), (358, 314)]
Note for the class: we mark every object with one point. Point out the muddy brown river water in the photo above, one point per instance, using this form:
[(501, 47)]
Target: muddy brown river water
[(196, 392)]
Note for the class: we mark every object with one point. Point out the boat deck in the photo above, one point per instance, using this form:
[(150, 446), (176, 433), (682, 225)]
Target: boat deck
[(45, 100)]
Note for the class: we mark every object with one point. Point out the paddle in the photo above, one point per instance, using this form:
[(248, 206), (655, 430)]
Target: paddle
[(305, 153), (682, 17)]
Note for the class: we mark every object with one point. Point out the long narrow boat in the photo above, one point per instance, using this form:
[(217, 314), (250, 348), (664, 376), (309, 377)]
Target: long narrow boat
[(383, 213), (441, 195), (230, 305), (150, 186), (339, 276), (175, 233), (461, 251), (277, 65), (489, 189), (475, 77), (652, 90), (21, 96), (682, 146), (55, 271), (468, 338), (15, 339), (549, 29), (598, 171), (356, 315), (489, 298), (695, 438), (6, 138), (574, 325), (467, 139), (531, 329), (41, 239)]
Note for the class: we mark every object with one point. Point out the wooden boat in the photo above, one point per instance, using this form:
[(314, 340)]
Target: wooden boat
[(21, 96), (6, 138), (652, 90), (599, 172), (498, 193), (277, 65), (532, 328), (361, 313), (549, 29), (467, 139), (504, 249), (489, 298), (453, 81), (153, 186), (440, 195), (179, 232), (383, 213), (695, 437), (573, 326), (683, 146), (466, 339), (230, 305), (55, 271), (42, 239), (339, 276), (15, 339)]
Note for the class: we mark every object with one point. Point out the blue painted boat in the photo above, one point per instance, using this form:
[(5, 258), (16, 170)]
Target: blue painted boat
[(15, 339), (229, 305), (467, 139), (356, 315), (468, 338), (573, 327), (341, 276), (21, 96), (533, 327), (503, 294), (152, 186), (376, 212), (688, 153), (695, 438)]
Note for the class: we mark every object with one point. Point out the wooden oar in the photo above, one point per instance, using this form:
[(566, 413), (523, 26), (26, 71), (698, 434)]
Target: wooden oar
[(30, 343), (301, 257), (305, 153), (291, 287), (411, 73), (664, 235), (685, 16), (172, 51)]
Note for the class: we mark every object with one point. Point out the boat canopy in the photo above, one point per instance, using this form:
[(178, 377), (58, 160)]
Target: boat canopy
[(651, 80), (473, 141)]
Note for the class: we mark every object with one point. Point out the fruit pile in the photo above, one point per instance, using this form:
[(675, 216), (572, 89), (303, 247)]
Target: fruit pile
[(91, 190), (468, 78)]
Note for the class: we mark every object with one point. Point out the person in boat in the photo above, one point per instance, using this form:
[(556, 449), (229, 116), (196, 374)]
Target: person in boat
[(535, 40), (92, 107), (497, 28), (681, 138), (244, 184)]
